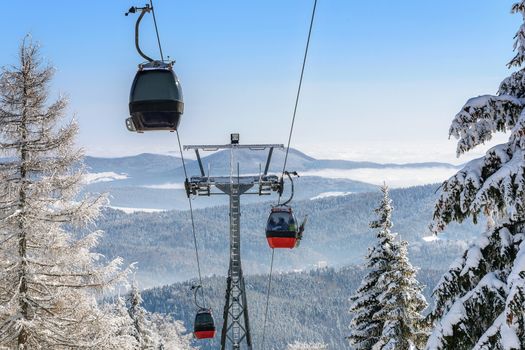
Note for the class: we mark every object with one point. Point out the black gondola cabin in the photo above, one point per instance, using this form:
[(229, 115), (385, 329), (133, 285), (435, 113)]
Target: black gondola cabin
[(204, 326), (155, 99), (282, 230)]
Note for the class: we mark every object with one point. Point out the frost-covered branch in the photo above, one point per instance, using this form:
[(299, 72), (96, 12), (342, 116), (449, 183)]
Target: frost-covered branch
[(49, 279)]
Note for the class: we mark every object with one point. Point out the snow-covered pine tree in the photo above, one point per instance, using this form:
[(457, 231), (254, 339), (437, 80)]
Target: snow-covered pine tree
[(388, 304), (480, 301), (143, 329), (170, 333), (48, 275), (121, 327), (365, 330), (154, 331), (401, 305)]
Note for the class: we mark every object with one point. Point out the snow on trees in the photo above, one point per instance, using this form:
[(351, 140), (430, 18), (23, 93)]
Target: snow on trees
[(121, 327), (153, 331), (480, 301), (387, 306), (170, 333), (365, 330), (49, 276), (142, 326), (402, 304), (297, 345)]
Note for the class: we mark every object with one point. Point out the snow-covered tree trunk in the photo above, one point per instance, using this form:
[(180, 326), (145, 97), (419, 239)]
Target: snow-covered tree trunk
[(48, 276), (480, 301)]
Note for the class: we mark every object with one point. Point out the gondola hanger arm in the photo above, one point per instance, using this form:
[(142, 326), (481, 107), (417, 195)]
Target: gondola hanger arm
[(143, 10), (195, 290), (289, 174)]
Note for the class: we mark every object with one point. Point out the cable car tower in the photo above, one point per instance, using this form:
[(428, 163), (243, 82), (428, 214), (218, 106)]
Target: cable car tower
[(236, 322)]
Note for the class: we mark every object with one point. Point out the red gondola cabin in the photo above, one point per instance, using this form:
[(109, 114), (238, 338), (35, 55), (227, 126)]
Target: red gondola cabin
[(204, 326), (282, 230)]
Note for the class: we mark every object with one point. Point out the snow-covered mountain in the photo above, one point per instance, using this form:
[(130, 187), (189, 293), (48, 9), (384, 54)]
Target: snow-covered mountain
[(337, 234), (151, 181)]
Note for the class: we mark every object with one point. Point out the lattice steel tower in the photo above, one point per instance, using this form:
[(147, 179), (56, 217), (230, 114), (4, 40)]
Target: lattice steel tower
[(236, 325)]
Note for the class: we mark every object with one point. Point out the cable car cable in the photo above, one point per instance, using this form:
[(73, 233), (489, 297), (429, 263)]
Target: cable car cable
[(299, 88), (204, 325), (287, 151), (267, 300), (192, 221), (156, 29)]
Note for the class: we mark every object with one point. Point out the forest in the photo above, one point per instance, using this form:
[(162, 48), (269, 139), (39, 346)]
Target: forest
[(96, 253), (167, 253), (310, 306)]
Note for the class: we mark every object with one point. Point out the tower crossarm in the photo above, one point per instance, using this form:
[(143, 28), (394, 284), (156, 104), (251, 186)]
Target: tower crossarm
[(203, 185), (253, 147)]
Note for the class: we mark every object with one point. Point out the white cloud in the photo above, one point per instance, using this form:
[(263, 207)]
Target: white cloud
[(166, 186), (134, 210), (91, 178), (330, 194), (402, 151), (394, 177)]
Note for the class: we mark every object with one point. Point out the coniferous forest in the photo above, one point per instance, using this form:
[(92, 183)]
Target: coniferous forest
[(124, 252)]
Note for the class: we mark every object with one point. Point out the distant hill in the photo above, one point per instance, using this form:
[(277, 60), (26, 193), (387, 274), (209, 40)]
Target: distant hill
[(306, 306), (337, 233), (156, 181)]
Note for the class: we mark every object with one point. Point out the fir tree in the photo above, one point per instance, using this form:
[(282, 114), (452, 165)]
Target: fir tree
[(402, 304), (387, 306), (122, 328), (143, 329), (170, 333), (365, 330), (49, 275), (480, 301), (154, 331)]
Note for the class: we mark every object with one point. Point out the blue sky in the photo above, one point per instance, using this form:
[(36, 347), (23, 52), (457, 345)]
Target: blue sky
[(383, 79)]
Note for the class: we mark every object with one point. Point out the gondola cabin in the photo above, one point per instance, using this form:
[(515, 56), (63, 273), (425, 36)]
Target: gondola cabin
[(282, 229), (155, 99), (204, 326)]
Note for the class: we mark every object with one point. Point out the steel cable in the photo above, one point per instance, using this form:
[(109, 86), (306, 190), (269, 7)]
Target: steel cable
[(192, 221), (156, 30), (286, 158), (299, 87), (267, 300)]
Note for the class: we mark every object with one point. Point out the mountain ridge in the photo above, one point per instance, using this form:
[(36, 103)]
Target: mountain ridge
[(337, 233), (155, 181), (315, 163)]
